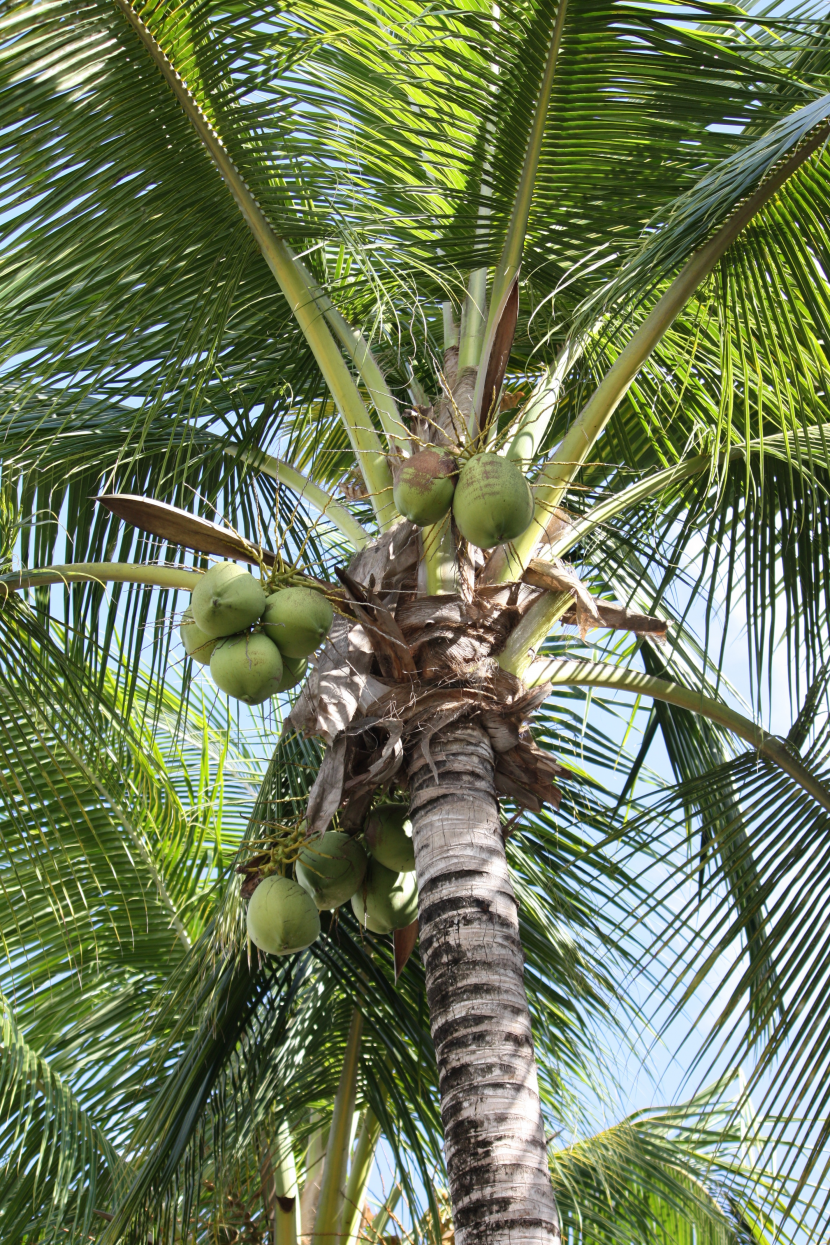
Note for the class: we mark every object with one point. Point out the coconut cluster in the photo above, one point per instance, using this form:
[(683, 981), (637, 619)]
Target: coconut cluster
[(490, 499), (375, 870), (255, 644)]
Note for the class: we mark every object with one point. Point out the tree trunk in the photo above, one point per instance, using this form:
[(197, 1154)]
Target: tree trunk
[(493, 1131)]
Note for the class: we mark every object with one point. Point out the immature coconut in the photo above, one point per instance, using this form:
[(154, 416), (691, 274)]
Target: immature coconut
[(493, 502), (297, 620), (196, 643), (248, 667), (388, 832), (387, 900), (331, 868), (282, 917), (226, 600), (424, 485), (293, 672)]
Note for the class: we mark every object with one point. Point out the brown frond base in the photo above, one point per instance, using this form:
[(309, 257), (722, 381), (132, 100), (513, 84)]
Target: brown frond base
[(403, 668)]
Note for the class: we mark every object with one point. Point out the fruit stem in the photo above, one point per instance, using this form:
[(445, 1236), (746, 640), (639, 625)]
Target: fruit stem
[(279, 1181), (450, 327)]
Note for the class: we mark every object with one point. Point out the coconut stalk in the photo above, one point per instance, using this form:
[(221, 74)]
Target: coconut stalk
[(279, 1186), (314, 1160), (152, 575), (360, 353), (361, 1170), (384, 1214), (450, 327), (511, 257), (662, 481), (541, 406), (561, 673), (333, 1183), (532, 631), (473, 321), (440, 559), (316, 496)]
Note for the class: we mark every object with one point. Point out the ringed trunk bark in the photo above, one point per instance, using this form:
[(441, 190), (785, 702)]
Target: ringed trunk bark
[(469, 936)]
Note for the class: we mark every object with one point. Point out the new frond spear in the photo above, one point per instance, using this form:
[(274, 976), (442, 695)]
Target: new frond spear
[(418, 665)]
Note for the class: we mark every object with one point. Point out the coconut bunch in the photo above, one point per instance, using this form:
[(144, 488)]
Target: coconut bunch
[(375, 870), (490, 498), (256, 642)]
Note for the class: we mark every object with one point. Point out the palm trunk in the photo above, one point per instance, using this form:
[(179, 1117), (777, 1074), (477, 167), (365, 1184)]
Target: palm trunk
[(493, 1131)]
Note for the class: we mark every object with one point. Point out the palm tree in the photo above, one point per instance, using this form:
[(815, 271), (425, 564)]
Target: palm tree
[(259, 256)]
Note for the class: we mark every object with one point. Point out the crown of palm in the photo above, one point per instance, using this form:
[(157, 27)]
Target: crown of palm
[(148, 349)]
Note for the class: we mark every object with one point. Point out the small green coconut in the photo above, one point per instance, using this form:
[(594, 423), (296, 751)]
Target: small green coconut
[(297, 620), (493, 502), (331, 868), (226, 600), (282, 917), (196, 643), (388, 832), (293, 672), (424, 485), (248, 667), (387, 900)]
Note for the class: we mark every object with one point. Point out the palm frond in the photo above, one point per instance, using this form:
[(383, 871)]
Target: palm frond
[(765, 871), (672, 1174), (58, 1164)]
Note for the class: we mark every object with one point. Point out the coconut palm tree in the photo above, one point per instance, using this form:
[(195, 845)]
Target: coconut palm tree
[(258, 259)]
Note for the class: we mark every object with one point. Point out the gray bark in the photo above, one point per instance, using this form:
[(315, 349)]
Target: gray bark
[(469, 940)]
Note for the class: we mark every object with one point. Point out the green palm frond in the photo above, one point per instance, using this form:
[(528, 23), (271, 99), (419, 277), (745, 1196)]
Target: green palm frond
[(95, 834), (672, 1174), (58, 1164), (691, 218), (765, 843), (739, 539), (252, 1046)]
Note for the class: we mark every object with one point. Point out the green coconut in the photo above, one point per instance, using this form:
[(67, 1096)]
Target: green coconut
[(226, 600), (387, 900), (424, 485), (388, 832), (196, 643), (331, 868), (248, 667), (493, 502), (297, 620), (282, 917), (293, 672)]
